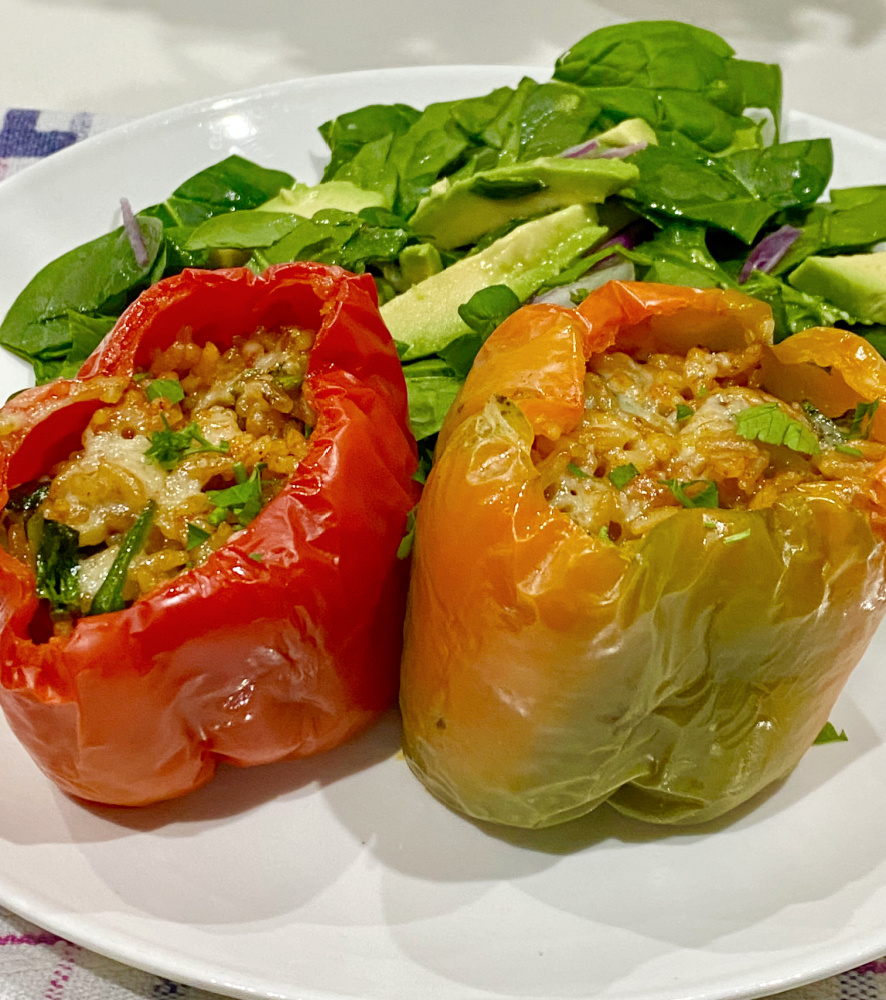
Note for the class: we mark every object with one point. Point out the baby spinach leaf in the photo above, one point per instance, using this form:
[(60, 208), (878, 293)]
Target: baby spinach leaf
[(488, 308), (681, 79), (241, 230), (97, 278), (109, 596), (56, 566), (711, 191), (347, 134), (431, 388)]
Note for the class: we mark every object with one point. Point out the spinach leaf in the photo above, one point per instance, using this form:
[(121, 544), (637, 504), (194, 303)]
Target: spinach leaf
[(241, 230), (233, 183), (109, 596), (853, 219), (483, 312), (738, 193), (348, 134), (679, 255), (683, 80), (56, 565), (431, 388), (98, 278), (337, 237), (792, 309)]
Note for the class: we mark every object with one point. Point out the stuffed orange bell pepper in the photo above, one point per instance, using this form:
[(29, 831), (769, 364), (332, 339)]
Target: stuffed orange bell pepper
[(200, 535), (648, 555)]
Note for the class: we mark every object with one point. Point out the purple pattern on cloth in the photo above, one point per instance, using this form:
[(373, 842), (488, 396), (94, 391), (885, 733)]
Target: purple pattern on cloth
[(20, 136)]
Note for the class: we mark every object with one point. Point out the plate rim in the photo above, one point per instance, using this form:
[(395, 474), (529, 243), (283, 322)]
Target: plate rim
[(197, 973)]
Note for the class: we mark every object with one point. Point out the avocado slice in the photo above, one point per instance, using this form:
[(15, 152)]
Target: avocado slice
[(307, 201), (458, 213), (856, 283), (425, 317)]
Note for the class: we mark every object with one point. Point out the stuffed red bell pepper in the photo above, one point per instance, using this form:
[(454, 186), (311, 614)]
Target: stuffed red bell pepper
[(648, 555), (200, 535)]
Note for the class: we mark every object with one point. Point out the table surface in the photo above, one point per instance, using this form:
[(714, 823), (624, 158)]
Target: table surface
[(129, 58), (133, 57)]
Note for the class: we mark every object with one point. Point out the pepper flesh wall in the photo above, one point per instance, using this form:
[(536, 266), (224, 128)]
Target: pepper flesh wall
[(671, 665), (286, 639)]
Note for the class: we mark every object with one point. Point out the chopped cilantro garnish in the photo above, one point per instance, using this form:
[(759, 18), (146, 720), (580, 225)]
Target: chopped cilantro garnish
[(767, 422), (287, 381), (707, 496), (196, 536), (737, 537), (860, 424), (165, 388), (829, 734), (604, 533), (577, 471), (169, 447), (257, 556), (621, 475), (684, 412), (243, 500), (846, 449)]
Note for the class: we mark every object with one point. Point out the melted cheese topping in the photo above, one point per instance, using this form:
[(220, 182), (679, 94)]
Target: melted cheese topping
[(653, 430)]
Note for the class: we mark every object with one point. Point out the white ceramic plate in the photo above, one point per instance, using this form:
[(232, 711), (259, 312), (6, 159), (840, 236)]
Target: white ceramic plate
[(340, 877)]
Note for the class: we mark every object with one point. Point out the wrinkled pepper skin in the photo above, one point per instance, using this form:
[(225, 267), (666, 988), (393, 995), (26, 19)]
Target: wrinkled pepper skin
[(545, 671), (236, 660)]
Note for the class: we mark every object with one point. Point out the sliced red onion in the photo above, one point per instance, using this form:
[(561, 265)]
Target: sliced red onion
[(620, 152), (614, 268), (769, 251), (134, 233), (593, 150), (582, 149)]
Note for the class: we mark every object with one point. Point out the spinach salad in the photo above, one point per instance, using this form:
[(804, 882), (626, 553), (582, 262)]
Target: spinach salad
[(652, 153)]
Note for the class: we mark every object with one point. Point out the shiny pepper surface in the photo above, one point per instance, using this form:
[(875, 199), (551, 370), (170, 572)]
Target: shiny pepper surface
[(547, 670), (286, 641)]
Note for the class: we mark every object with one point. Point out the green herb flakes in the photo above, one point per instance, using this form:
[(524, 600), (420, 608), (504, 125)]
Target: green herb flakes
[(695, 493), (767, 422), (621, 475), (739, 536), (169, 447), (165, 388), (576, 471), (829, 734), (862, 418), (684, 412), (243, 500), (196, 536)]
